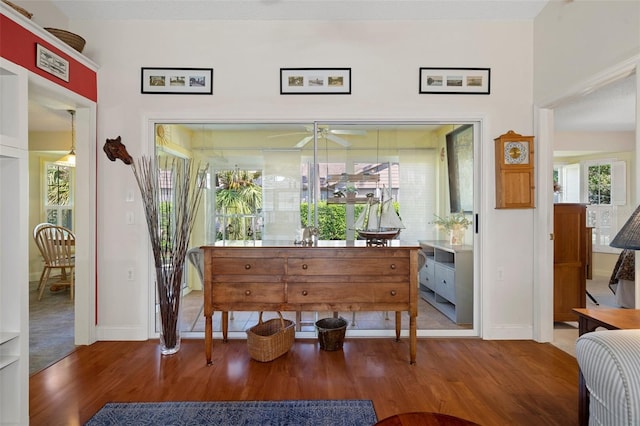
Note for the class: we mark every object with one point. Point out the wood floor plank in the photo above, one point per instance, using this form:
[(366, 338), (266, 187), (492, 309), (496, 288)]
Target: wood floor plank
[(489, 382)]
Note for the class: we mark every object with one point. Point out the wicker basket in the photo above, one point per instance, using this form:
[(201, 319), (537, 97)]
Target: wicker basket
[(22, 11), (73, 40), (270, 339)]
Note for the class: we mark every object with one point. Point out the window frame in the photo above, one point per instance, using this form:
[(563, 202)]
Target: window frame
[(46, 208)]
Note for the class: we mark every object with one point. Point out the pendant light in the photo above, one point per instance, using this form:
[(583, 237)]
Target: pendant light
[(69, 160)]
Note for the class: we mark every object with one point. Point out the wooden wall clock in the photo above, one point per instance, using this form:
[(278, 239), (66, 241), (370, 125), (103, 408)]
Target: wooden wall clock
[(514, 171)]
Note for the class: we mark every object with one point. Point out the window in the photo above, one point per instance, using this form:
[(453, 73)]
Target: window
[(604, 190), (58, 199)]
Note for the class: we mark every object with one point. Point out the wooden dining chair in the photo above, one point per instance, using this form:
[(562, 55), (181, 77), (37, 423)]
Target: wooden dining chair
[(56, 244), (35, 233)]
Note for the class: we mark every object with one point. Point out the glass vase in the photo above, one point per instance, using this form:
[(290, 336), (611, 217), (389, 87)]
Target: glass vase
[(170, 311), (456, 237), (170, 343)]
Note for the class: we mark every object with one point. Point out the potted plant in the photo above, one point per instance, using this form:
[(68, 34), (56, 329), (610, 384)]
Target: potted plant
[(351, 191), (455, 225)]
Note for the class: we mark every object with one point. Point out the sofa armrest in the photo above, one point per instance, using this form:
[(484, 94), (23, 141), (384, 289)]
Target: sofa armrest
[(610, 363)]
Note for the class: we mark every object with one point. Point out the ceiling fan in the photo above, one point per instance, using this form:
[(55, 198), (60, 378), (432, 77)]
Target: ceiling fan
[(326, 133)]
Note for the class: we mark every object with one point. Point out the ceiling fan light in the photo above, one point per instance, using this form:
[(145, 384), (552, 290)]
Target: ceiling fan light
[(69, 160)]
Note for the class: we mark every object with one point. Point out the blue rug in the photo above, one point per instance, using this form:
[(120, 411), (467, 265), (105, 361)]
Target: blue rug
[(280, 413)]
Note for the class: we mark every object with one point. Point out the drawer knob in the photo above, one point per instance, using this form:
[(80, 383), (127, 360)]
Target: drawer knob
[(247, 266), (305, 292), (305, 266), (393, 266), (393, 292), (247, 292)]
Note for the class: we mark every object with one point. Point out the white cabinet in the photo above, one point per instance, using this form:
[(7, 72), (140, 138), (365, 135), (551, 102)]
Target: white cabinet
[(14, 249), (446, 279)]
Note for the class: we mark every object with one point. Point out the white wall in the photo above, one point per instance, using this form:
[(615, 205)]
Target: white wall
[(246, 57), (594, 141)]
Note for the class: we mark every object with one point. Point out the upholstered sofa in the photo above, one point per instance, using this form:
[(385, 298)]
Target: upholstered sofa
[(610, 363)]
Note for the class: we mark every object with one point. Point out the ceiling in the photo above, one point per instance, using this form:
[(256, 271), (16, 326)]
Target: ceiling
[(608, 109), (301, 9), (611, 108)]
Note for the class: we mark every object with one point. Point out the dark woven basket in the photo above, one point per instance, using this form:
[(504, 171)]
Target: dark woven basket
[(73, 40), (22, 11), (331, 332)]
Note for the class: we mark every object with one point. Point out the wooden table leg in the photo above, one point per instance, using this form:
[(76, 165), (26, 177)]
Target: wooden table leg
[(585, 325), (583, 401), (398, 325), (225, 326), (412, 338), (208, 338)]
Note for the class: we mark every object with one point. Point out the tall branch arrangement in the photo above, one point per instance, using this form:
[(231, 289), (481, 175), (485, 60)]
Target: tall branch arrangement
[(171, 190)]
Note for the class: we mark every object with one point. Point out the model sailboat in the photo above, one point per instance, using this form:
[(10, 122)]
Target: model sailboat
[(379, 221)]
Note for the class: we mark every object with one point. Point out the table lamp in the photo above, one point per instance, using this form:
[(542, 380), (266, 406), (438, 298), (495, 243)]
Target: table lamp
[(629, 235)]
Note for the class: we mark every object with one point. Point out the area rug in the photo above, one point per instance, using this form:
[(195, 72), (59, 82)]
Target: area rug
[(268, 413)]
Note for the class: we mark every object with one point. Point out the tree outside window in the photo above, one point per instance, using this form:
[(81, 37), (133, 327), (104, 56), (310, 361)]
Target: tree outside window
[(59, 195), (599, 184), (605, 191)]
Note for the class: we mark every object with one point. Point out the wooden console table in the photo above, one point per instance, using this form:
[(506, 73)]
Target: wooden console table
[(331, 276), (589, 320)]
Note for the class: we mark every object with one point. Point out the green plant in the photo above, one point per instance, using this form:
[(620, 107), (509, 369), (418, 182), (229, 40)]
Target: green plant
[(238, 195), (454, 221), (332, 218)]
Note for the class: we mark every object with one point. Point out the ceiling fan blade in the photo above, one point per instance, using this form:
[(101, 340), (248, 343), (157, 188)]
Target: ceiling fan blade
[(348, 132), (303, 141), (287, 134), (338, 140)]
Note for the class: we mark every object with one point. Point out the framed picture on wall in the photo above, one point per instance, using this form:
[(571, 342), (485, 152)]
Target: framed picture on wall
[(315, 81), (469, 81), (181, 81), (54, 64)]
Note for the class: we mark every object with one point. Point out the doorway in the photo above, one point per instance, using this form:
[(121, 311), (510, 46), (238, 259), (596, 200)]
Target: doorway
[(584, 130), (60, 324)]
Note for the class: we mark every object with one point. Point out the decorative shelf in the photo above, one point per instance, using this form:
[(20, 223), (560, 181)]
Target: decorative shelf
[(6, 336), (346, 200), (6, 361), (345, 177)]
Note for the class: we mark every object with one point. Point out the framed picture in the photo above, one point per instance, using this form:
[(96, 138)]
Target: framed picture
[(470, 81), (54, 64), (189, 81), (315, 81)]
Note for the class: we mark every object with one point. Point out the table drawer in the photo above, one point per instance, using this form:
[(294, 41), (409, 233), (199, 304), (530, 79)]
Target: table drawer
[(329, 293), (376, 266), (428, 274), (248, 266), (446, 283), (347, 293), (248, 293)]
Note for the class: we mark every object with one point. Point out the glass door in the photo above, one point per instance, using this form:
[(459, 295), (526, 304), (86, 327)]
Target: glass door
[(267, 181)]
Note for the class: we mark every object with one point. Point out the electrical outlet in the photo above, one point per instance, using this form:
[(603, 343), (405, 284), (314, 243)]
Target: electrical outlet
[(130, 219), (130, 274)]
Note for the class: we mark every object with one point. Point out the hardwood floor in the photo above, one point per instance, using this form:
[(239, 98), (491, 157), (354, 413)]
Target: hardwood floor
[(490, 382)]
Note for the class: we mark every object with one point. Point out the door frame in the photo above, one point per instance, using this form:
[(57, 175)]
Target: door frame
[(543, 243)]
